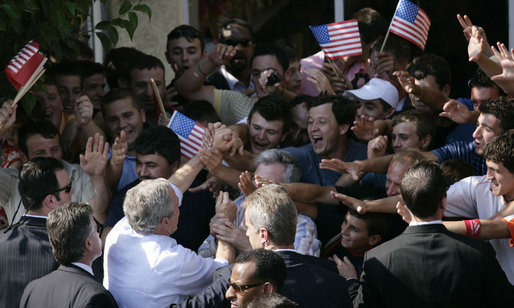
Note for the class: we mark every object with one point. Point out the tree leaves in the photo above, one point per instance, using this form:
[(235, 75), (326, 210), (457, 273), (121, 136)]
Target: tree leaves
[(55, 24)]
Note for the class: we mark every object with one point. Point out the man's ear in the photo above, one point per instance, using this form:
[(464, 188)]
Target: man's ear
[(425, 142), (343, 129), (143, 115), (284, 135), (264, 237), (446, 90), (390, 112), (50, 202), (268, 287), (374, 239)]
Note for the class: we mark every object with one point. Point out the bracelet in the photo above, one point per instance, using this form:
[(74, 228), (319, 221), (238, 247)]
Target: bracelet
[(472, 227), (199, 69)]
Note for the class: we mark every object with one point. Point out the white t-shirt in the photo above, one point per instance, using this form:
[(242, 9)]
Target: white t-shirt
[(472, 197)]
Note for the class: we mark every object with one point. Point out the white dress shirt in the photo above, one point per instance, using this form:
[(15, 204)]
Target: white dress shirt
[(153, 270)]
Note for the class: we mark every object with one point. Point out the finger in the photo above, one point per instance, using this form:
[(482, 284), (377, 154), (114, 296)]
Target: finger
[(89, 145), (347, 261), (336, 259)]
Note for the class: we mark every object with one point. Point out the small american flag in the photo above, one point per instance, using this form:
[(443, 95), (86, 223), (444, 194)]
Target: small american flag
[(24, 65), (339, 39), (411, 23), (189, 132)]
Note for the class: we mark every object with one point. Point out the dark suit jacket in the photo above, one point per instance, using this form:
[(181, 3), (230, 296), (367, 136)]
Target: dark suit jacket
[(68, 286), (312, 286), (25, 254), (428, 266), (311, 282)]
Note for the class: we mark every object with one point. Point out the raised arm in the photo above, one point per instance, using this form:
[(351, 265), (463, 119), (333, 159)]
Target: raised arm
[(93, 162), (190, 84), (185, 175)]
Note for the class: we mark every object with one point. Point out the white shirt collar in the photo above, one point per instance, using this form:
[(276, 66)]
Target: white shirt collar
[(84, 267), (420, 223), (233, 82)]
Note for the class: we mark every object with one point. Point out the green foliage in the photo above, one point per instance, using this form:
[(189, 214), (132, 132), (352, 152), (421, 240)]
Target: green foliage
[(55, 24)]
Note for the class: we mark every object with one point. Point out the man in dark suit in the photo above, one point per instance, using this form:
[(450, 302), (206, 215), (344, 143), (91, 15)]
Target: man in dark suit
[(25, 252), (427, 265), (270, 219), (76, 244)]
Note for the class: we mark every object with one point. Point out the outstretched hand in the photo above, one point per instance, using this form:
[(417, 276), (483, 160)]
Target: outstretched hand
[(94, 160), (222, 54), (245, 183), (340, 166), (119, 149), (457, 112), (345, 267), (356, 204), (364, 128), (226, 206)]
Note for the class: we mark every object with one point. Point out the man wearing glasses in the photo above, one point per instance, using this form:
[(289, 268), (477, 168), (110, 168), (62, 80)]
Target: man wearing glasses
[(235, 75), (24, 247), (255, 273)]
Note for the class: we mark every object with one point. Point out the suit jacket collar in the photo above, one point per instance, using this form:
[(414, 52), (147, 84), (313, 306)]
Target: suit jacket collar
[(74, 269), (33, 221), (426, 229)]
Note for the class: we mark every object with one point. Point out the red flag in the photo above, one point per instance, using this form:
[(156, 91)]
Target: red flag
[(339, 39), (189, 132), (24, 65), (411, 23)]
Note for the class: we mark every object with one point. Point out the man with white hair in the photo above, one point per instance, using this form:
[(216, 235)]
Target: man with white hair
[(143, 265)]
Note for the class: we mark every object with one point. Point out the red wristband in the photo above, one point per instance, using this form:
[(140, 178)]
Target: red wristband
[(472, 227)]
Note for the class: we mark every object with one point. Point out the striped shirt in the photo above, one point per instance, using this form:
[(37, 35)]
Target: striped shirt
[(464, 151), (232, 106)]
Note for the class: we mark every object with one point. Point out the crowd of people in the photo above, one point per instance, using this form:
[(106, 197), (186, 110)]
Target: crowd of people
[(357, 181)]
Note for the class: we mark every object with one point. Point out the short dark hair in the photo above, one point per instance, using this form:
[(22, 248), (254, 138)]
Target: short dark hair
[(291, 53), (201, 111), (479, 79), (44, 128), (272, 300), (501, 150), (159, 140), (456, 169), (277, 52), (269, 266), (396, 45), (342, 108), (377, 223), (88, 69), (234, 21), (69, 225), (143, 62), (187, 31), (117, 63), (372, 25), (38, 180), (422, 119), (431, 65), (64, 68), (119, 94), (423, 188), (272, 107), (502, 108)]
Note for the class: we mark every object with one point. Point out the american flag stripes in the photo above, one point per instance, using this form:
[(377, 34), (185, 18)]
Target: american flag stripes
[(24, 65), (339, 39), (189, 132), (411, 23)]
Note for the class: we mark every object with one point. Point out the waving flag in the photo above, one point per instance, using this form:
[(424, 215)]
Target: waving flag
[(189, 132), (411, 23), (25, 65), (339, 39)]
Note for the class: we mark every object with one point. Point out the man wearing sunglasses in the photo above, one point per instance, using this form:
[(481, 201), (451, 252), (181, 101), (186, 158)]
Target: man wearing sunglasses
[(255, 272), (235, 75), (25, 249)]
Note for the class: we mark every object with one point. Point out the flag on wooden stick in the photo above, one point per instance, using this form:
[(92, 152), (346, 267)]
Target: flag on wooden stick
[(339, 39)]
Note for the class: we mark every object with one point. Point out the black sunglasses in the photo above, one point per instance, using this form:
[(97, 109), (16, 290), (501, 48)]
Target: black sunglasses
[(243, 288), (66, 189), (235, 42)]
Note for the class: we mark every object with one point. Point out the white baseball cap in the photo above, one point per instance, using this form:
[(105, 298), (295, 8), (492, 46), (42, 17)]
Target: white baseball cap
[(376, 88)]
